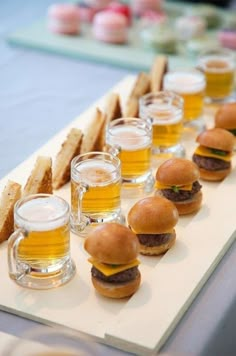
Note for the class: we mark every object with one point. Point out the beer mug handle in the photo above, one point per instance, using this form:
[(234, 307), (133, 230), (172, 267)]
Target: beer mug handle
[(17, 269), (82, 220), (113, 150)]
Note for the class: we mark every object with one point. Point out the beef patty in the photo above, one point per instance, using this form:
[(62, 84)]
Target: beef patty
[(120, 277), (210, 164), (181, 195), (151, 240)]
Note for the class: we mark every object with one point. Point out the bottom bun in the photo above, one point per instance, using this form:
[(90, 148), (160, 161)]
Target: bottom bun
[(158, 250), (189, 206), (117, 290), (214, 175)]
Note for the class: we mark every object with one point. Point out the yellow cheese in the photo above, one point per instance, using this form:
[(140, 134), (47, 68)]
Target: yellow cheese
[(181, 187), (206, 152), (109, 270)]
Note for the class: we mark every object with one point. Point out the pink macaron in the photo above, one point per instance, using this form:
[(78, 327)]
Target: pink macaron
[(97, 4), (227, 38), (139, 7), (110, 27), (121, 8), (64, 19)]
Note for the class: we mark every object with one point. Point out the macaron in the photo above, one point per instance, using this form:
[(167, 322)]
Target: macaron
[(110, 27), (227, 38), (64, 19), (190, 26), (121, 8), (160, 38), (98, 4), (140, 6), (86, 12)]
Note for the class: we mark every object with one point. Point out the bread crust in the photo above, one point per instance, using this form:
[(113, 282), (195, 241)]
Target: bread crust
[(69, 149), (117, 290), (226, 116), (94, 138), (153, 215), (177, 171), (113, 107), (40, 179), (158, 69), (158, 250), (9, 196), (140, 88), (217, 138), (112, 243), (214, 176)]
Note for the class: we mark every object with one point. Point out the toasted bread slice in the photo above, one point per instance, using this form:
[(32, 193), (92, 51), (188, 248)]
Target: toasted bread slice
[(70, 148), (113, 107), (159, 68), (10, 195), (141, 86), (40, 179), (94, 137)]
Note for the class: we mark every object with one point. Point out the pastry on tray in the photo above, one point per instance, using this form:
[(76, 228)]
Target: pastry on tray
[(64, 19)]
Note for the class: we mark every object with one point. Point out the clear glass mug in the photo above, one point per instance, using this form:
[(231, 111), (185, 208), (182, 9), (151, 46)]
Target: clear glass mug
[(190, 85), (131, 140), (95, 190), (218, 65), (164, 110), (39, 249)]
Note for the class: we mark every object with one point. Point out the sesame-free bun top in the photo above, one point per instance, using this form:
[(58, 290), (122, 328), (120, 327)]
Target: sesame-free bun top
[(226, 116), (112, 243), (153, 215), (177, 171), (217, 138)]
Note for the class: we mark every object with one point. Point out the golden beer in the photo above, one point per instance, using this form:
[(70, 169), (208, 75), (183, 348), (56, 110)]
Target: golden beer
[(103, 193), (191, 86), (39, 249), (219, 68), (133, 138), (167, 132)]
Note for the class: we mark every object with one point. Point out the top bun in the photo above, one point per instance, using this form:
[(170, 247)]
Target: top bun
[(217, 138), (153, 215), (112, 243), (226, 116), (177, 171)]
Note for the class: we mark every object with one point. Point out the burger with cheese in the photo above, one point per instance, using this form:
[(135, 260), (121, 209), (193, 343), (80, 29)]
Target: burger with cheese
[(225, 117), (213, 155), (153, 220), (113, 249), (177, 180)]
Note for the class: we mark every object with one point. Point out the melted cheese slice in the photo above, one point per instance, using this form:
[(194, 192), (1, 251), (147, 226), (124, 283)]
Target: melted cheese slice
[(206, 152), (109, 270), (165, 186)]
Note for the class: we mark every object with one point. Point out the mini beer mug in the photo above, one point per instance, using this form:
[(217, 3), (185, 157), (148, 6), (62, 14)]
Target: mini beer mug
[(95, 190), (164, 110), (218, 66), (190, 85), (39, 249), (131, 140)]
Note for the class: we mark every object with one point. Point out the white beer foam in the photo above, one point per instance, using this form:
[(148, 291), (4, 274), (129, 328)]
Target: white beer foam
[(129, 137), (185, 83), (95, 172), (164, 114), (230, 65), (42, 214)]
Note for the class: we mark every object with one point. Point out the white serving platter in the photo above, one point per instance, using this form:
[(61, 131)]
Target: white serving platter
[(142, 323)]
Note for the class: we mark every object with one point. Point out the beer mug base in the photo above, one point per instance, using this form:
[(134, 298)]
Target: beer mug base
[(135, 187), (220, 100), (37, 279), (168, 152), (82, 229)]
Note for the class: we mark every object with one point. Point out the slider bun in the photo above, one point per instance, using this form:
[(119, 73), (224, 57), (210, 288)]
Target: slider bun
[(189, 206), (158, 250), (117, 290), (226, 116), (214, 175), (217, 138), (177, 171), (112, 243), (153, 215)]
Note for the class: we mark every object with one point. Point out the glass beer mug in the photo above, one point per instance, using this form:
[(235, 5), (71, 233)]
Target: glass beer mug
[(131, 140), (95, 190), (39, 249), (164, 110)]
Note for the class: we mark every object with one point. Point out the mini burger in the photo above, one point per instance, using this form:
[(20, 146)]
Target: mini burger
[(225, 118), (153, 219), (114, 249), (213, 155), (177, 180)]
